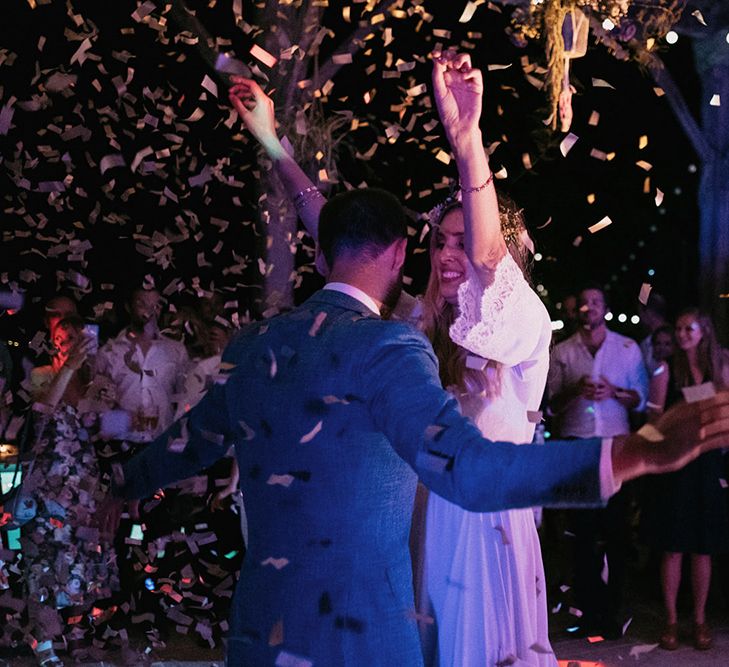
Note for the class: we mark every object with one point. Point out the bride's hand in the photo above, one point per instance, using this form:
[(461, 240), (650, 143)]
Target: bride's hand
[(458, 92)]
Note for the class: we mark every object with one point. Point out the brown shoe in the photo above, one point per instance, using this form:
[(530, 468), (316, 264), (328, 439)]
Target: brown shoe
[(669, 638), (702, 637)]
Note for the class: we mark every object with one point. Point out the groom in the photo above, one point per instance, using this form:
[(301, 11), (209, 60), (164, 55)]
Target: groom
[(334, 414)]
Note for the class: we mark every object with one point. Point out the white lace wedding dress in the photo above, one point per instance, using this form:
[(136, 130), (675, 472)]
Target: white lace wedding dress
[(483, 572)]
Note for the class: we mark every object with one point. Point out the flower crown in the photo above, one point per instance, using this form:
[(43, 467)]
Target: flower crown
[(511, 218)]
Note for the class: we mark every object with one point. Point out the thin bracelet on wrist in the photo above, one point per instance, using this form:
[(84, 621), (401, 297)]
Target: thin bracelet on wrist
[(478, 188), (306, 197)]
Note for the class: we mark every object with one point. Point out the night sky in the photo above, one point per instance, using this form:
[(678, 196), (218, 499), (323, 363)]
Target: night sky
[(177, 201)]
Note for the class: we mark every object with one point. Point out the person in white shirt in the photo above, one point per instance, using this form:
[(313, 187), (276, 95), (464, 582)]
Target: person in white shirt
[(596, 378), (147, 369)]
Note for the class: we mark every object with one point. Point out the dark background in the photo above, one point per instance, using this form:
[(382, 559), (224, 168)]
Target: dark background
[(120, 212)]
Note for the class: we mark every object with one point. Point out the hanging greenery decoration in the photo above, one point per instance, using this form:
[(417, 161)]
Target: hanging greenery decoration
[(628, 28)]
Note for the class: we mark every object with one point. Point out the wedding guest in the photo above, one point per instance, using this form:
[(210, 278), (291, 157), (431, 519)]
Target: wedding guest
[(688, 513), (663, 345), (653, 317), (55, 309), (147, 368), (596, 378), (69, 563), (58, 308)]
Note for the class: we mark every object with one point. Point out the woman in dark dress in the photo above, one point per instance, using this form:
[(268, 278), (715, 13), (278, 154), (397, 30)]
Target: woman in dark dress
[(690, 512), (69, 564)]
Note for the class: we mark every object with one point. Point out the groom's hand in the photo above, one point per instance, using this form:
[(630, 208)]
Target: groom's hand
[(677, 438)]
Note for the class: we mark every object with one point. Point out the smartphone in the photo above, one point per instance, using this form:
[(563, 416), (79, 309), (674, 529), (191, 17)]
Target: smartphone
[(92, 331)]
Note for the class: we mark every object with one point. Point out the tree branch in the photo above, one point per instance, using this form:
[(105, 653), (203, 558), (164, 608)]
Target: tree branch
[(675, 98)]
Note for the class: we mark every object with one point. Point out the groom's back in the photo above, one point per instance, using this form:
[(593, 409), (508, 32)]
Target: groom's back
[(328, 500)]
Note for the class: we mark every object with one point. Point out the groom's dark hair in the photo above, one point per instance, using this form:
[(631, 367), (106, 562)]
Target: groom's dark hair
[(362, 222)]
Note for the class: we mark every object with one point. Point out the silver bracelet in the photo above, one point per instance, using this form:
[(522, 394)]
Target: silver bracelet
[(306, 197), (306, 191)]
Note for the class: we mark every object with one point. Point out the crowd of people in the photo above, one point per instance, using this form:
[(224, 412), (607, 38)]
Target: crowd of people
[(480, 586), (95, 404)]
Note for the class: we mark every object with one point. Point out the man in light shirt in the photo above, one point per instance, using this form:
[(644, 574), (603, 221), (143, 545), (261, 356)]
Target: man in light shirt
[(147, 368), (596, 378), (148, 371)]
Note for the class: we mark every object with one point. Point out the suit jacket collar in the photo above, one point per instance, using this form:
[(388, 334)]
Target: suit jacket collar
[(340, 300)]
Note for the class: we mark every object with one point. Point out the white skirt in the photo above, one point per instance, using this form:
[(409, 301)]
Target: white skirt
[(484, 578)]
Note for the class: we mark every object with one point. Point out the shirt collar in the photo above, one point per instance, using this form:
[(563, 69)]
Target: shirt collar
[(356, 293)]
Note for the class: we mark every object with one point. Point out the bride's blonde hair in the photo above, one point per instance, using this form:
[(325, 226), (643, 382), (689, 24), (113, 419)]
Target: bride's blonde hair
[(439, 315)]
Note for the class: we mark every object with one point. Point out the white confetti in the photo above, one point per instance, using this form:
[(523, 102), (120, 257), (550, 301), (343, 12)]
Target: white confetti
[(699, 392), (600, 225), (278, 563), (311, 434), (566, 144), (698, 16), (645, 291), (469, 10), (639, 649), (601, 83), (281, 480)]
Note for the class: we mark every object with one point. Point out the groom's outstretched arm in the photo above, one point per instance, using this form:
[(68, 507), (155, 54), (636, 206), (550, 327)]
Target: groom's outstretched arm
[(192, 443), (449, 453), (451, 457)]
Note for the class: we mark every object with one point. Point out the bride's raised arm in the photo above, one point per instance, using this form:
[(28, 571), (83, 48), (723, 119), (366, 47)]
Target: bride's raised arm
[(257, 112), (458, 91)]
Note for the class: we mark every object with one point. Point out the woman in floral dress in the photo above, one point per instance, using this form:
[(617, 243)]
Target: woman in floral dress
[(69, 563)]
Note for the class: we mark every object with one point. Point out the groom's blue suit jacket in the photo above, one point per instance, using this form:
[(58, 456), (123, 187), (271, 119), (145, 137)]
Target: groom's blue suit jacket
[(334, 414)]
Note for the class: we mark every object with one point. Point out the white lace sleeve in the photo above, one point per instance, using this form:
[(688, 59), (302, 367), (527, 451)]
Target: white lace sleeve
[(504, 320)]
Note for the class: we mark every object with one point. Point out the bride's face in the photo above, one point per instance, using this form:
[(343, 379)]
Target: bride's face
[(449, 257)]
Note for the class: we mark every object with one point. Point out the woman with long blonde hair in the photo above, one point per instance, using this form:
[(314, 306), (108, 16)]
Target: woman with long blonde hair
[(484, 573), (688, 513)]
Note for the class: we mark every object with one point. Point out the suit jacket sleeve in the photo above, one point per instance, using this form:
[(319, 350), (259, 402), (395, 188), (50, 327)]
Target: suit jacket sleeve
[(192, 443), (448, 452)]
